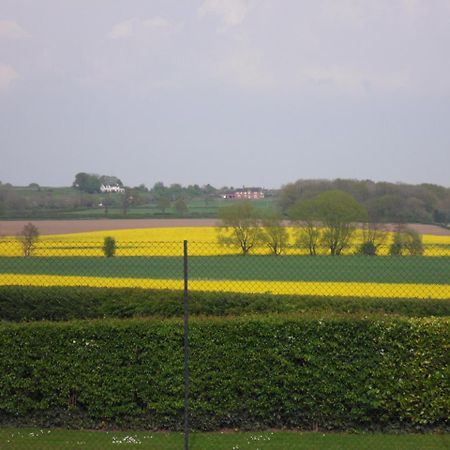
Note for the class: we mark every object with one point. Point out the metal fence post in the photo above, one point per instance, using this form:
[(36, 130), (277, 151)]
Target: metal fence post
[(186, 346)]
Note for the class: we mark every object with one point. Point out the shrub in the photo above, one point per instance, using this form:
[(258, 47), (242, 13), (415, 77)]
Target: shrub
[(247, 373), (109, 246), (27, 303), (368, 248)]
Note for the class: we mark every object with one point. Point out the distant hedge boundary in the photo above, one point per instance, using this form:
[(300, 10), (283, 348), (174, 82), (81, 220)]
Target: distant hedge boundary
[(250, 372), (27, 303)]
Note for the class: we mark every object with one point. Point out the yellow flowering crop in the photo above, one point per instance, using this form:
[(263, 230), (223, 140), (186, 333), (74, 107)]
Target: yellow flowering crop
[(322, 288), (202, 242)]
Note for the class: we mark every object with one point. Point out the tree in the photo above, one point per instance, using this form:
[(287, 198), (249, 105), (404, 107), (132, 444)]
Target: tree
[(109, 246), (106, 203), (176, 191), (163, 203), (110, 180), (127, 200), (159, 190), (86, 182), (274, 234), (34, 186), (374, 236), (28, 238), (142, 188), (180, 207), (406, 241), (338, 212), (304, 214), (239, 226)]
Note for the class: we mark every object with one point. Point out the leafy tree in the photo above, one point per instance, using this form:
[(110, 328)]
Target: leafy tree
[(194, 190), (176, 191), (274, 235), (34, 186), (163, 203), (28, 238), (289, 195), (159, 190), (111, 180), (86, 182), (304, 214), (181, 207), (142, 188), (109, 246), (338, 212), (406, 241), (240, 226)]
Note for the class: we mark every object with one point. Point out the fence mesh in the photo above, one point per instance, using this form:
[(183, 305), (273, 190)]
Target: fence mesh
[(220, 268), (217, 269)]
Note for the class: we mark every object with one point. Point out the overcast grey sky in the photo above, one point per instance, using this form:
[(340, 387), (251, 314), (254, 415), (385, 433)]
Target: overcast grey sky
[(227, 92)]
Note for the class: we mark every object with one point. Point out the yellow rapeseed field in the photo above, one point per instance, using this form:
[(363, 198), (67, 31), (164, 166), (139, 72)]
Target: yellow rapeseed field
[(168, 242), (203, 242), (323, 288)]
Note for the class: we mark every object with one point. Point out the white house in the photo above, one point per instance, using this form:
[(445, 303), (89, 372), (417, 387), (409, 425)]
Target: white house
[(246, 193), (108, 188)]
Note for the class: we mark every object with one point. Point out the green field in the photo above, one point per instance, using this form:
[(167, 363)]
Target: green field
[(39, 439), (428, 270), (196, 208)]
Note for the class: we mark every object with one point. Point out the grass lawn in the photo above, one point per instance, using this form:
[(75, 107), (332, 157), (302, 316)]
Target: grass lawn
[(37, 439), (428, 270)]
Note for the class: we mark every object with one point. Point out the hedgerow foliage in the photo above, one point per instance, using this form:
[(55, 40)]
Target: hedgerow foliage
[(28, 303), (248, 372)]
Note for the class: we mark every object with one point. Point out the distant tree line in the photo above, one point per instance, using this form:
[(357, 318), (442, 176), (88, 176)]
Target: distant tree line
[(384, 202)]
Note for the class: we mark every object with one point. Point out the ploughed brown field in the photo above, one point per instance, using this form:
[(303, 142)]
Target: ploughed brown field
[(13, 227)]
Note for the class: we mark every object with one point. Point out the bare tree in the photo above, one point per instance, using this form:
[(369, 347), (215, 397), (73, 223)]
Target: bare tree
[(374, 236), (239, 226), (28, 238), (406, 241), (304, 215), (274, 234)]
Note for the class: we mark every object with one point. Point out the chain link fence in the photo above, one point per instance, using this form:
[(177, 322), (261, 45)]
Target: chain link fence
[(211, 271), (220, 268)]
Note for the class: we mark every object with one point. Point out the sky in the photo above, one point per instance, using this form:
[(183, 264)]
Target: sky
[(226, 92)]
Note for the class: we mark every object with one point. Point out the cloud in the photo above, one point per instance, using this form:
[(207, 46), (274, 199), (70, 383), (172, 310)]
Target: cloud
[(350, 79), (232, 12), (358, 13), (156, 22), (135, 26), (122, 29), (7, 75), (244, 67), (9, 29), (411, 7)]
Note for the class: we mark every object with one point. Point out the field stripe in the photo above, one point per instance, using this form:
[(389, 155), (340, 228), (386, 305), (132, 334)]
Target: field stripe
[(345, 289)]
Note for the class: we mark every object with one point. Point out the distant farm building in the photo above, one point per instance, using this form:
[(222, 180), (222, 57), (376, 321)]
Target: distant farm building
[(246, 193), (108, 188)]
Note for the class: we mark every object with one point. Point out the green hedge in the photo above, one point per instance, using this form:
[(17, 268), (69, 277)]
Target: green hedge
[(280, 371), (22, 303)]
